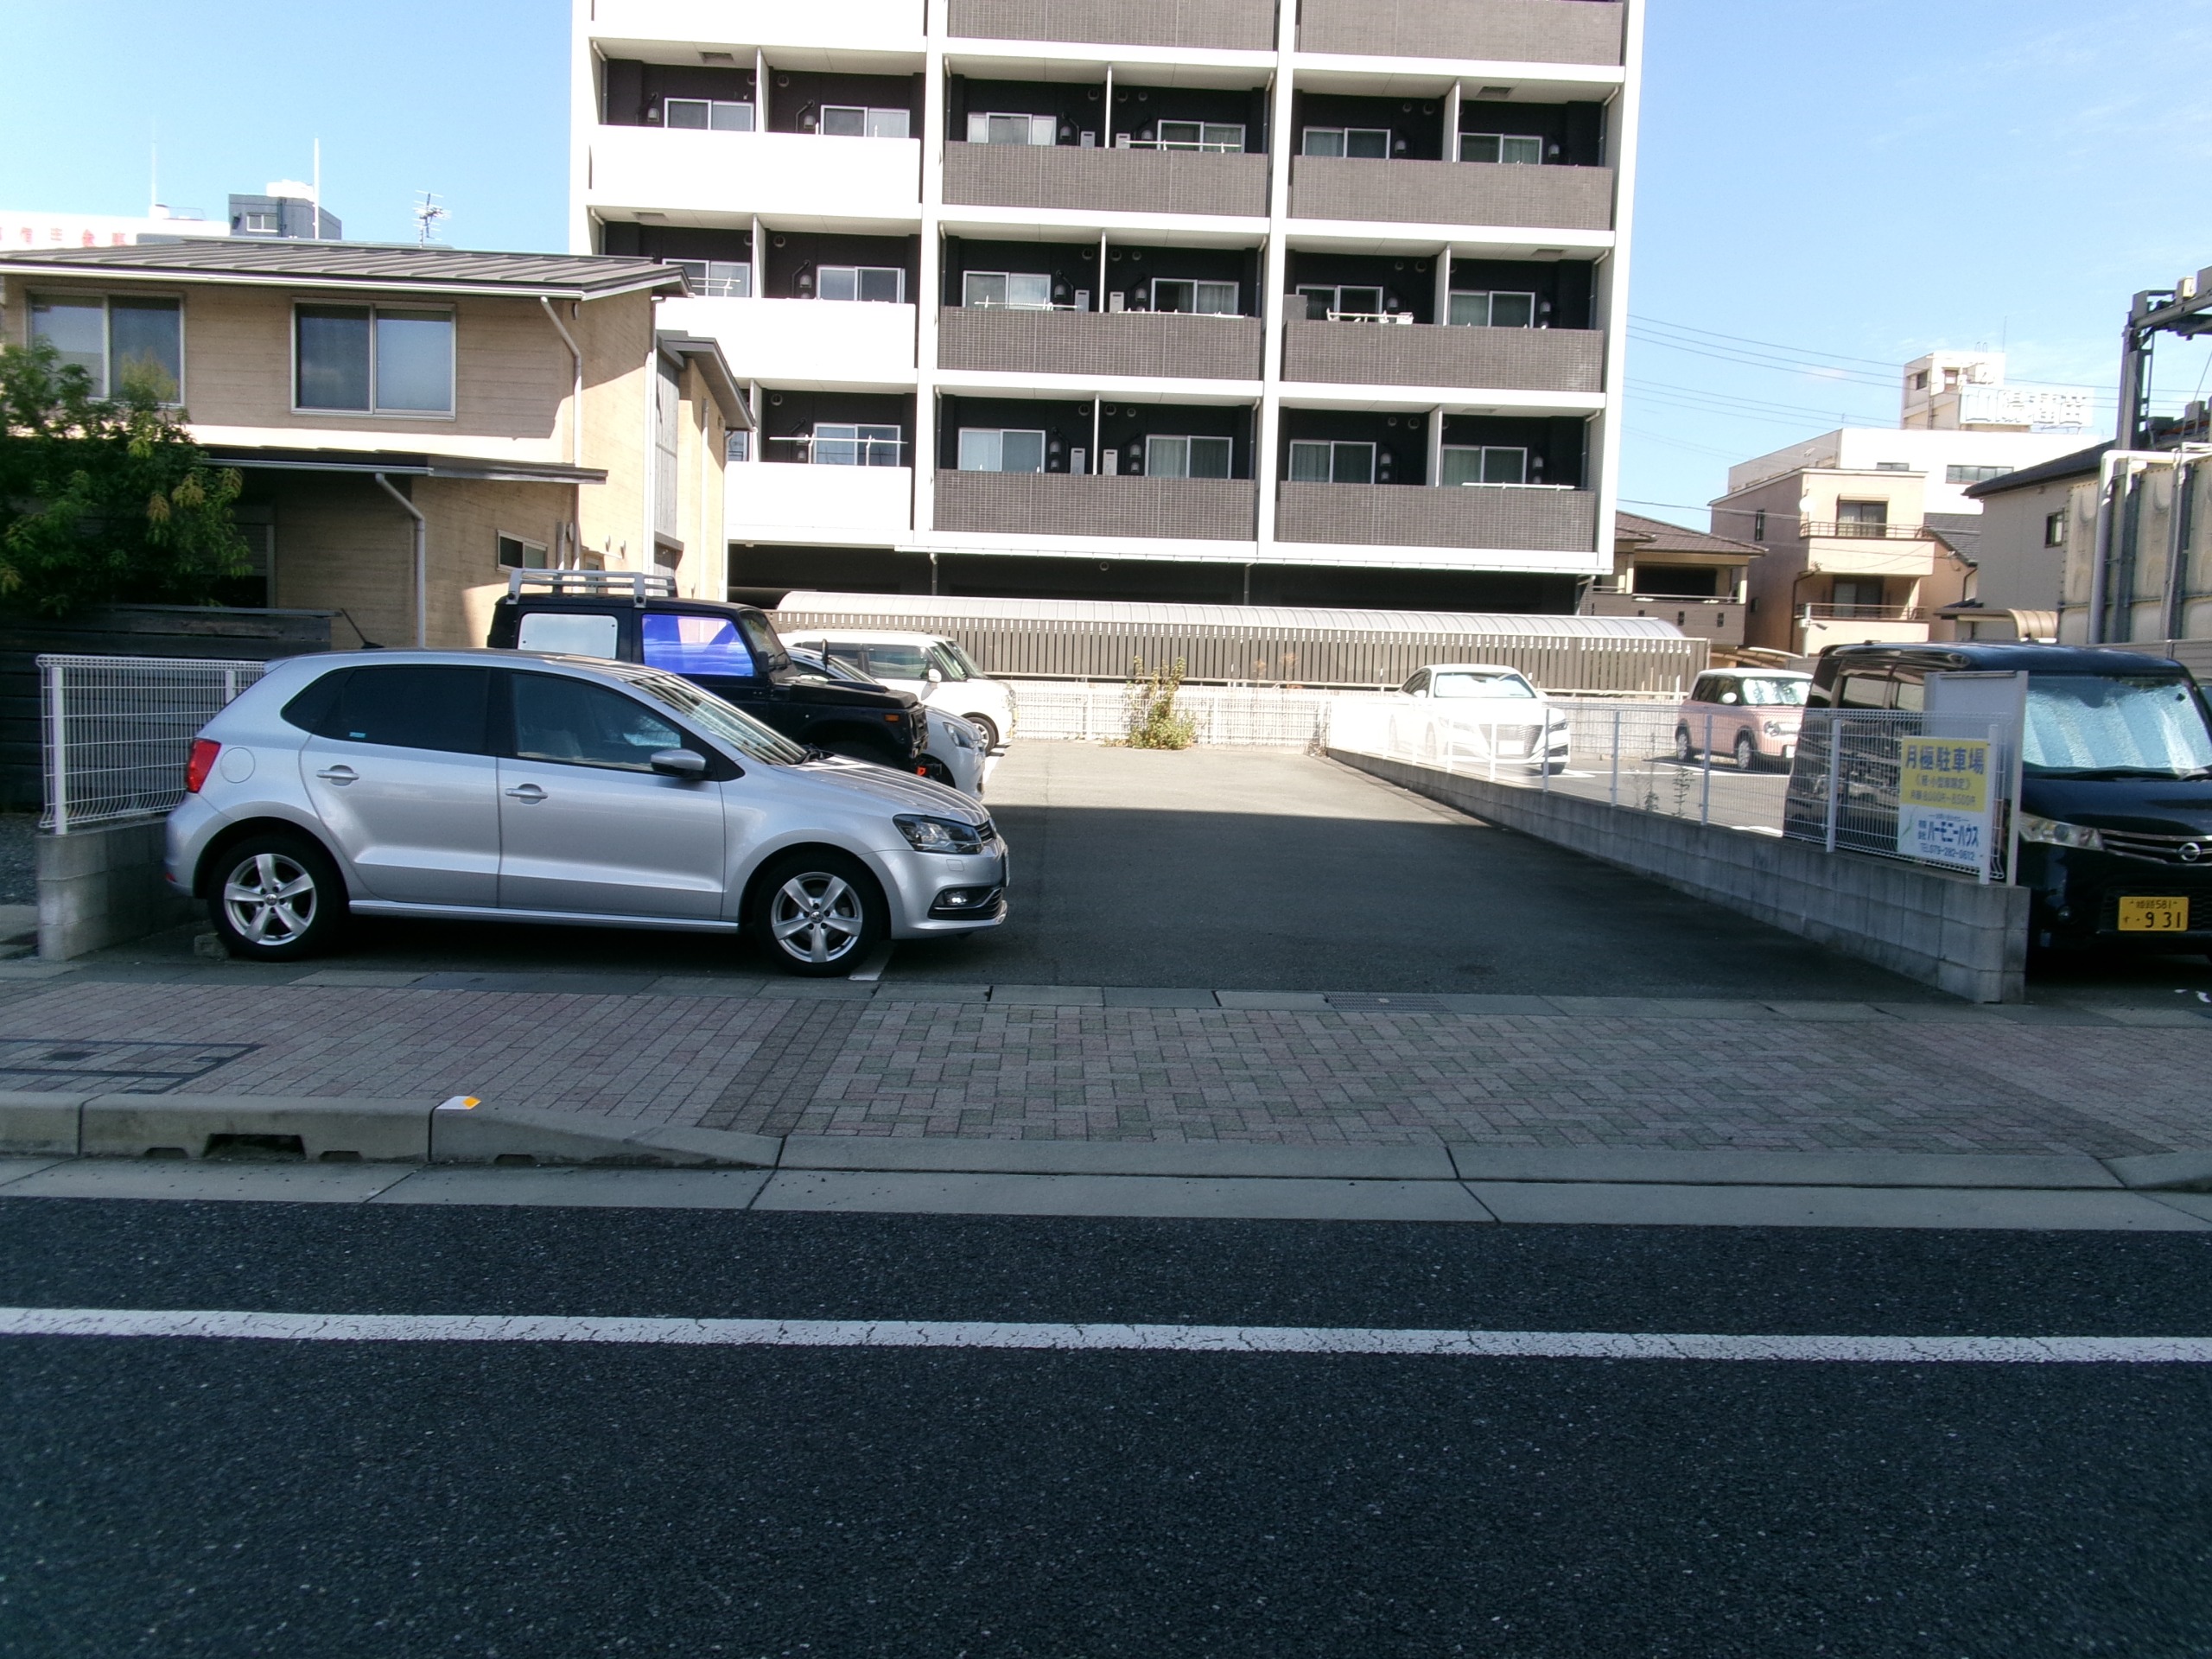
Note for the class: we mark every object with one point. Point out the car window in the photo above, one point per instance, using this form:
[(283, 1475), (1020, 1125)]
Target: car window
[(569, 633), (1483, 685), (897, 663), (1718, 688), (1864, 691), (1912, 694), (768, 647), (849, 655), (946, 664), (1702, 692), (696, 644), (1774, 694), (1417, 684), (411, 707), (951, 648), (722, 720), (579, 724)]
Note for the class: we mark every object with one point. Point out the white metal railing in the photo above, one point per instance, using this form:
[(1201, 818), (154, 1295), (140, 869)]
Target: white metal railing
[(1925, 789), (116, 732)]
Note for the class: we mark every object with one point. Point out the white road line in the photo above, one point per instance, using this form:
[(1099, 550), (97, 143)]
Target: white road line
[(878, 960), (1098, 1338)]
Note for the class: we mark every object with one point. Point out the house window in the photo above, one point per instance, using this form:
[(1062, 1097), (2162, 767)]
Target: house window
[(259, 221), (1186, 457), (1856, 597), (1512, 148), (1484, 464), (1758, 525), (1862, 517), (1217, 136), (2054, 530), (1494, 310), (1213, 299), (1920, 380), (987, 450), (516, 554), (1013, 290), (1331, 463), (1893, 465), (851, 121), (1343, 304), (1972, 474), (716, 279), (737, 446), (886, 284), (119, 342), (837, 445), (1013, 129), (707, 115), (1370, 143), (382, 359)]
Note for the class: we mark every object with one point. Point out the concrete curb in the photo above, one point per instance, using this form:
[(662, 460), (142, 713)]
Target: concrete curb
[(2167, 1172), (510, 1135), (1199, 1159), (1627, 1165), (198, 1126)]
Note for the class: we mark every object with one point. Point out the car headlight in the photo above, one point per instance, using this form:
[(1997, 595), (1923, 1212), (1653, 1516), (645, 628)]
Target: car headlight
[(940, 835), (962, 732), (2052, 833)]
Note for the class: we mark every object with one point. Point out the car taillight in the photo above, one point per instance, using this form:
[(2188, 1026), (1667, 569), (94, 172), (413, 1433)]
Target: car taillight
[(204, 752)]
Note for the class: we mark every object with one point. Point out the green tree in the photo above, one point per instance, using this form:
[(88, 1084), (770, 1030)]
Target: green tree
[(106, 499)]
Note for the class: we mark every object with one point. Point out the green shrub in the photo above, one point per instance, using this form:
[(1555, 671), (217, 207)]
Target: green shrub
[(1151, 718)]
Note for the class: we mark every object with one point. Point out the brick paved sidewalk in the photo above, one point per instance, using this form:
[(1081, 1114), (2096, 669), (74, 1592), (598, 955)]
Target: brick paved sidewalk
[(917, 1060)]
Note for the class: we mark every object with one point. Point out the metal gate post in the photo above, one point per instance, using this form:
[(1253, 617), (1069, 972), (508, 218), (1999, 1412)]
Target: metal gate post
[(1705, 807), (57, 778), (1835, 773), (1613, 795)]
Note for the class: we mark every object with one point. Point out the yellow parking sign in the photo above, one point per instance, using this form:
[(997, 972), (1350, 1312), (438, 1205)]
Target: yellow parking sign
[(1943, 800)]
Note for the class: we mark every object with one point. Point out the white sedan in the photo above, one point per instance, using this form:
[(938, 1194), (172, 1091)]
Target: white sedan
[(1479, 711), (954, 752)]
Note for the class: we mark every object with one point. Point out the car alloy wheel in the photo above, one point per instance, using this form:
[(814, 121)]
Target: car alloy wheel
[(1747, 754), (1685, 751), (270, 900), (989, 731), (817, 918)]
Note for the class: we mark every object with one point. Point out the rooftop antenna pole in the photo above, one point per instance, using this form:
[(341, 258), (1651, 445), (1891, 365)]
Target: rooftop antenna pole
[(317, 233), (153, 166), (427, 215)]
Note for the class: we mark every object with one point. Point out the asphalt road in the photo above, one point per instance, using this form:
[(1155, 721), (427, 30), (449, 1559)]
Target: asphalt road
[(189, 1498)]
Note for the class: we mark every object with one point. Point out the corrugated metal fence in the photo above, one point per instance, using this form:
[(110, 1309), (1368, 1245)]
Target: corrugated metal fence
[(1062, 648)]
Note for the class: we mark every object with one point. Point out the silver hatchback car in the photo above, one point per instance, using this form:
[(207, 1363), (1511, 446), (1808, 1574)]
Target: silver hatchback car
[(496, 786)]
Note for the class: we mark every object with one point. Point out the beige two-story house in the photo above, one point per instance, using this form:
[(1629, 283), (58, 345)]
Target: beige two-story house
[(414, 424)]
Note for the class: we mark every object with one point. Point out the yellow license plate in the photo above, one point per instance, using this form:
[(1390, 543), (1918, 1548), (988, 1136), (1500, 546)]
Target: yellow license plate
[(2154, 915)]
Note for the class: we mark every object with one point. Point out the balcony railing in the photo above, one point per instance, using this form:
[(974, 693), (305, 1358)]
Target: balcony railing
[(1401, 515), (1105, 181), (1506, 359), (1512, 31), (1003, 341), (1228, 25), (1861, 613), (1850, 529), (1453, 193), (1088, 504)]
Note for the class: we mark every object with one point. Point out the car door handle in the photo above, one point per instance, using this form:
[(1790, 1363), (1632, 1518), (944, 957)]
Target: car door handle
[(338, 774), (527, 792)]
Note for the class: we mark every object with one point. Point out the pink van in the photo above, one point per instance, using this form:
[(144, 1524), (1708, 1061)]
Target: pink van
[(1753, 714)]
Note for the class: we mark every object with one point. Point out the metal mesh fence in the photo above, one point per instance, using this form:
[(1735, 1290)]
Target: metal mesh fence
[(116, 732)]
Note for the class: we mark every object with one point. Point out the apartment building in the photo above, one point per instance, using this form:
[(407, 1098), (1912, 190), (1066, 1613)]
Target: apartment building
[(1207, 300), (412, 424), (1866, 533)]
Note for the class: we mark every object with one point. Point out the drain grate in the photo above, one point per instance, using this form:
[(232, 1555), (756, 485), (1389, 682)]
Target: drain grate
[(45, 1064)]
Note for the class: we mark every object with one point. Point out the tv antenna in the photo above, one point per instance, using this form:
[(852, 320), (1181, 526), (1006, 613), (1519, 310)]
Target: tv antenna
[(427, 215)]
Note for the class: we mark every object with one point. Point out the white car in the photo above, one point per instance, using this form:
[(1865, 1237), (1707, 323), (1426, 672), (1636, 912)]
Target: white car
[(954, 751), (1481, 710), (934, 668)]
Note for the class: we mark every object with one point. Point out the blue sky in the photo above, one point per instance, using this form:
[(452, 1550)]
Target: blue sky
[(1846, 185)]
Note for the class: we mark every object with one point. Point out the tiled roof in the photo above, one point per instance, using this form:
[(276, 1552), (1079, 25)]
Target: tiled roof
[(2080, 464), (1674, 538), (361, 265)]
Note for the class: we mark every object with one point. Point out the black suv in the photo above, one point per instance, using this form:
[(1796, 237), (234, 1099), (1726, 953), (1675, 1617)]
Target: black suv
[(730, 650)]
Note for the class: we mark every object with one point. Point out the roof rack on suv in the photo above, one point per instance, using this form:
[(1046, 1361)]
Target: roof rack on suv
[(635, 583)]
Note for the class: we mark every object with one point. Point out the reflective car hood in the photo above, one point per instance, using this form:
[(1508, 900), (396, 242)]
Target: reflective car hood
[(894, 789), (2158, 806)]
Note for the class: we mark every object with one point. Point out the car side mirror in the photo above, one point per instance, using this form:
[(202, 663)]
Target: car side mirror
[(679, 763), (937, 676)]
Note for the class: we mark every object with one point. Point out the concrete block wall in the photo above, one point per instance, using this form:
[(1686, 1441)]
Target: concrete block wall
[(98, 888), (1949, 930)]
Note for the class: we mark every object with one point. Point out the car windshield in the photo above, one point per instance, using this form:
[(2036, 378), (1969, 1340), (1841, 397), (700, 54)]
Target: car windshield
[(1776, 694), (1483, 685), (946, 664), (823, 668), (719, 720), (2092, 723)]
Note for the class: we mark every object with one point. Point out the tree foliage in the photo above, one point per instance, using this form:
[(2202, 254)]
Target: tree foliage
[(104, 499)]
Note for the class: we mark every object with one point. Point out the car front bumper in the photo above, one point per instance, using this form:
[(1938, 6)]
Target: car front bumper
[(920, 883)]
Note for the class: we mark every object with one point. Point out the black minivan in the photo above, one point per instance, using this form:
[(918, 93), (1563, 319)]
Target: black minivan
[(2115, 816)]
